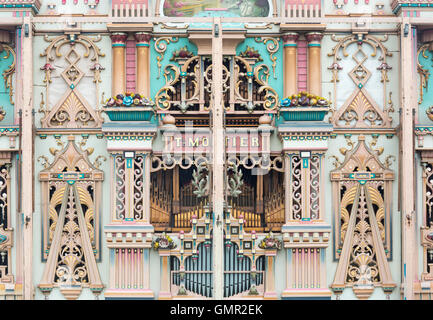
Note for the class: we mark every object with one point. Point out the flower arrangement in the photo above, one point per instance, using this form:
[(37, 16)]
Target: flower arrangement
[(251, 53), (129, 99), (269, 242), (304, 99), (182, 53), (129, 107), (304, 107), (429, 113), (163, 242), (2, 113)]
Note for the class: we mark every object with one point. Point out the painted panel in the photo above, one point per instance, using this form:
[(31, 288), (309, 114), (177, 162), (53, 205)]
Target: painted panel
[(241, 8)]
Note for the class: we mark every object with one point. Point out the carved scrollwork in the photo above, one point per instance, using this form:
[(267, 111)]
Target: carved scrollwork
[(164, 97), (424, 73), (362, 220), (71, 241), (261, 75), (160, 47), (360, 110), (9, 72), (72, 111), (272, 45)]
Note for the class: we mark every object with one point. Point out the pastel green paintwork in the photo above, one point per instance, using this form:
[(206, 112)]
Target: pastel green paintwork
[(158, 82)]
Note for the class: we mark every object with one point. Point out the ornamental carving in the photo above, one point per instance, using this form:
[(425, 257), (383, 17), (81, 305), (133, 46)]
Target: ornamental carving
[(71, 190), (304, 188), (423, 73), (360, 110), (6, 230), (9, 72), (72, 63), (427, 228), (189, 87), (362, 200), (129, 187)]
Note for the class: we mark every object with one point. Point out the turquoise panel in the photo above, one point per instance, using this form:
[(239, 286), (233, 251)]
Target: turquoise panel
[(5, 63), (275, 82), (158, 79)]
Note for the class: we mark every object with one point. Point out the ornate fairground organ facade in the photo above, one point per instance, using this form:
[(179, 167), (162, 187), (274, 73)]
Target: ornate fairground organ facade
[(251, 149)]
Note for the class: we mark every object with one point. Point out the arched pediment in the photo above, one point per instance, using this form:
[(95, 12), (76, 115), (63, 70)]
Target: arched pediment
[(363, 160), (71, 159)]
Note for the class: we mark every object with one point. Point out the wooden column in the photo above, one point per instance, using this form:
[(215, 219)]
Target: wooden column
[(143, 63), (314, 65), (27, 155), (218, 160), (270, 275), (118, 43), (408, 216), (164, 292), (290, 63)]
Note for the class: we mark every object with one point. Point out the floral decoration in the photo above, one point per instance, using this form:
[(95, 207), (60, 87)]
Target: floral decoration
[(163, 242), (270, 242), (429, 113), (182, 53), (129, 99), (304, 99), (251, 53), (2, 113)]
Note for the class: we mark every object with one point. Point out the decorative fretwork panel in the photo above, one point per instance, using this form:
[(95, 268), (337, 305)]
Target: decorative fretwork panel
[(6, 230), (191, 266), (360, 109), (71, 191), (362, 188), (72, 77), (189, 86), (305, 179), (128, 189), (427, 221)]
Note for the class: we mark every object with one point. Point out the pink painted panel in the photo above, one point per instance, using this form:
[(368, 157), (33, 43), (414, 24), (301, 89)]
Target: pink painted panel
[(129, 2), (130, 65), (301, 2), (302, 65)]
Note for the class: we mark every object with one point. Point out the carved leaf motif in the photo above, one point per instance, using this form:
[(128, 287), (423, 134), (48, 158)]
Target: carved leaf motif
[(361, 113), (72, 113)]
